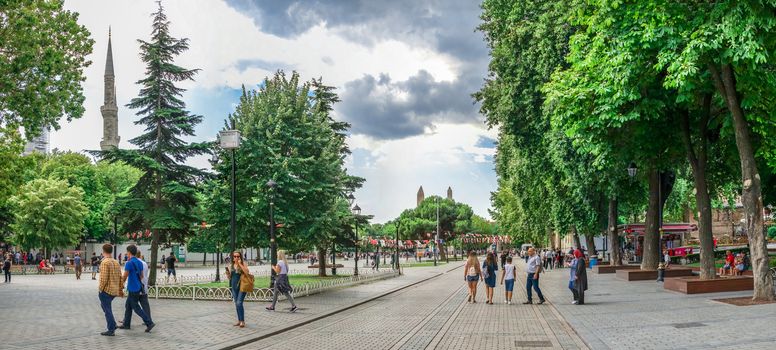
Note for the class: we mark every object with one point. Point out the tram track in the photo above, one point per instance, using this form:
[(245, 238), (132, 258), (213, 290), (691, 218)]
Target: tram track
[(336, 312)]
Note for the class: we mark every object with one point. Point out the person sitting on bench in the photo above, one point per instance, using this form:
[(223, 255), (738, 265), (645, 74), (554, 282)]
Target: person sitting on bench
[(742, 264), (729, 261), (46, 267)]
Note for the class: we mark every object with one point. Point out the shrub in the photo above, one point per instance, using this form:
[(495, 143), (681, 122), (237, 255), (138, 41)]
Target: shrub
[(772, 232)]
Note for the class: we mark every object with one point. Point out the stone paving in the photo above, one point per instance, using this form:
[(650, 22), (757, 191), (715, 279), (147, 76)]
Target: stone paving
[(54, 312)]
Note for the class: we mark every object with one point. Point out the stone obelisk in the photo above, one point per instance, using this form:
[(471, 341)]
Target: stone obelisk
[(109, 110), (421, 195)]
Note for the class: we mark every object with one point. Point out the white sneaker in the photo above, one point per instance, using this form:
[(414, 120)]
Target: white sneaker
[(506, 301), (509, 302), (575, 302)]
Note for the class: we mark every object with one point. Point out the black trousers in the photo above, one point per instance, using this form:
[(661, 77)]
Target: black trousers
[(7, 275), (133, 304)]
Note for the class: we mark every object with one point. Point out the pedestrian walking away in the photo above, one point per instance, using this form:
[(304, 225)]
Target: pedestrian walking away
[(281, 283), (472, 273), (170, 262), (532, 276), (240, 283), (508, 275), (133, 274), (109, 287), (144, 296), (578, 277), (95, 265), (7, 268), (78, 266), (489, 268)]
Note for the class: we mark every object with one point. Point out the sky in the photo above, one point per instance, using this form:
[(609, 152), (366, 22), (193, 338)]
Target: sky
[(404, 70)]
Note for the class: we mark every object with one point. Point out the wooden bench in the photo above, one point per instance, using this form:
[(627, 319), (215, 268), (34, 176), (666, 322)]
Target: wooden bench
[(694, 285), (328, 266), (601, 269), (645, 275)]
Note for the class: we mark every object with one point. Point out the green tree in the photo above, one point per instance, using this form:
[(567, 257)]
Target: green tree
[(43, 53), (290, 137), (164, 198), (48, 214)]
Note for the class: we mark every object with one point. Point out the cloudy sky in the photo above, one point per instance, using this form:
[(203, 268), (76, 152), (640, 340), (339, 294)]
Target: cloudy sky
[(404, 70)]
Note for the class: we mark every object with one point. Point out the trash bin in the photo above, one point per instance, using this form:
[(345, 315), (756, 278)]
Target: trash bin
[(593, 261), (661, 271)]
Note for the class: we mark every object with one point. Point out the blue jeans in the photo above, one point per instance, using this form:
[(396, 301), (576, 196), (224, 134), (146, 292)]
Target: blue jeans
[(133, 304), (238, 297), (530, 281), (509, 285), (105, 302)]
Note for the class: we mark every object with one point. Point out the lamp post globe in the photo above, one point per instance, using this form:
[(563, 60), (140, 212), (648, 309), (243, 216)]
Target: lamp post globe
[(632, 169)]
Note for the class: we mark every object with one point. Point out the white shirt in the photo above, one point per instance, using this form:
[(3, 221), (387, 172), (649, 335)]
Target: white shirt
[(283, 267), (509, 271), (146, 272), (533, 263)]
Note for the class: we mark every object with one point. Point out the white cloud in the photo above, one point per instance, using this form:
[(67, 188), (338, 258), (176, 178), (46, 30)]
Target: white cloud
[(222, 38), (445, 157)]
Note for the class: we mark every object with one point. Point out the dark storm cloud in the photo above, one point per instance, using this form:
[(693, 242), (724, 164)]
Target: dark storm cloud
[(384, 109), (369, 104)]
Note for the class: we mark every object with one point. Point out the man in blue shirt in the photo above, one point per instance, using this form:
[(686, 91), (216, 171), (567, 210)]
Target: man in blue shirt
[(133, 274)]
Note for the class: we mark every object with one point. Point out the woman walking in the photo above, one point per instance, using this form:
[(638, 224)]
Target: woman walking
[(471, 274), (237, 274), (281, 283), (489, 268), (578, 277)]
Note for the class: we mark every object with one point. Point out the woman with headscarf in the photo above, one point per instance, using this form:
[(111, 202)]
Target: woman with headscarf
[(578, 277)]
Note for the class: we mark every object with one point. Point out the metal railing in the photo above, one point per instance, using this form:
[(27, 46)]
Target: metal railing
[(209, 278), (194, 292)]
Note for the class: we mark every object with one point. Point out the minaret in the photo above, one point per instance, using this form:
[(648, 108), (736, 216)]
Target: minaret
[(449, 193), (421, 195), (109, 110)]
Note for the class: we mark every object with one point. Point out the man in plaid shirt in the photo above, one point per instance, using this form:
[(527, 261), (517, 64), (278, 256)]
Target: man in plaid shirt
[(110, 286)]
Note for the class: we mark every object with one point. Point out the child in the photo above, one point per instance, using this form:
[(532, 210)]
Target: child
[(508, 275)]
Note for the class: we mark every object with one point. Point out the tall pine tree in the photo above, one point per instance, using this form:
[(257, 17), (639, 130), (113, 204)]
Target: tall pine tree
[(163, 200)]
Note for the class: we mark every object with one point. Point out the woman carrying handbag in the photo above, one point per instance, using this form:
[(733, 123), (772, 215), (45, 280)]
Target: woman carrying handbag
[(281, 283), (241, 283)]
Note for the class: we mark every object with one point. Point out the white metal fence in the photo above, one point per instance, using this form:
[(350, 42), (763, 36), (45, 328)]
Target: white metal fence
[(195, 292)]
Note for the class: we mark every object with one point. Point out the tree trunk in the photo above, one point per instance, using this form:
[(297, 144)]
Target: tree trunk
[(614, 239), (699, 165), (590, 242), (577, 242), (651, 248), (153, 264), (752, 192), (204, 258), (322, 262)]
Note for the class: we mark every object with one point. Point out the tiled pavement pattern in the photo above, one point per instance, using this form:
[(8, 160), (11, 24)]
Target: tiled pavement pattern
[(642, 315), (434, 315), (58, 312)]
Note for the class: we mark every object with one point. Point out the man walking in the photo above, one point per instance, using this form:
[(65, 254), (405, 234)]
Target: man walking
[(133, 274), (95, 265), (7, 268), (144, 295), (110, 286), (170, 262), (532, 278), (78, 266)]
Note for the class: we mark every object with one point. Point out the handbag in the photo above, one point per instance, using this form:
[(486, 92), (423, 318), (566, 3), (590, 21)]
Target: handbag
[(485, 272), (246, 282)]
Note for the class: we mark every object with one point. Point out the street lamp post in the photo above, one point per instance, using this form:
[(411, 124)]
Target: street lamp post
[(356, 212), (436, 234), (273, 248), (397, 246), (230, 140)]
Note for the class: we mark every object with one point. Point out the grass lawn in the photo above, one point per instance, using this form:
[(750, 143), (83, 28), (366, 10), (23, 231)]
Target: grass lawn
[(718, 264), (263, 282), (421, 264)]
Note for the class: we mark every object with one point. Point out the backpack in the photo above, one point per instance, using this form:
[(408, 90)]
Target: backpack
[(472, 270), (485, 272)]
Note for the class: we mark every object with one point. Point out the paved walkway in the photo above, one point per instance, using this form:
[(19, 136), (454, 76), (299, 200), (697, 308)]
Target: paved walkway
[(56, 312)]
